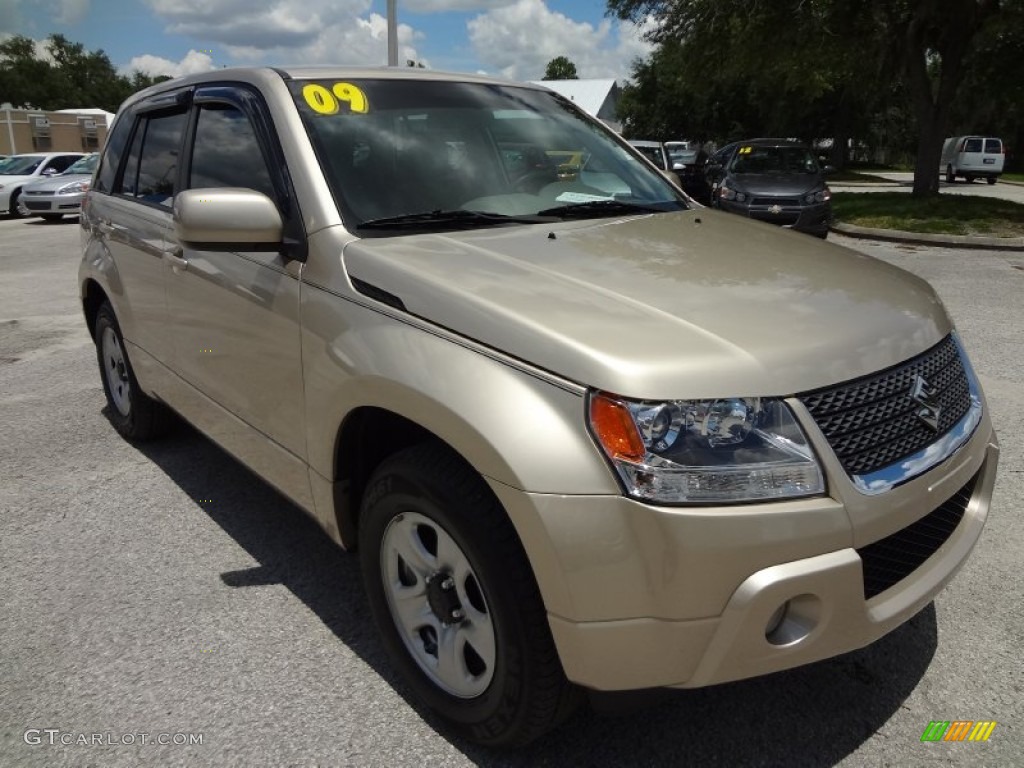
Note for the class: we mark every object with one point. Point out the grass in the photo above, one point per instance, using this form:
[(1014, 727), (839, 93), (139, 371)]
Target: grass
[(1013, 177), (945, 214), (844, 176)]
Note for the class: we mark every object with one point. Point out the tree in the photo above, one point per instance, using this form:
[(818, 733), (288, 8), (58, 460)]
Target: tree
[(560, 68), (830, 60), (70, 77)]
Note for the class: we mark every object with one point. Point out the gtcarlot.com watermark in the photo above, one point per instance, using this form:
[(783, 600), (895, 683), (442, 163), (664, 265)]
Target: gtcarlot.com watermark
[(57, 737)]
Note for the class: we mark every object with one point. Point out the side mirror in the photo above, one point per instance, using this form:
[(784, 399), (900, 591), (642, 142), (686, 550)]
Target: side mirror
[(50, 172), (228, 216), (673, 177), (828, 169)]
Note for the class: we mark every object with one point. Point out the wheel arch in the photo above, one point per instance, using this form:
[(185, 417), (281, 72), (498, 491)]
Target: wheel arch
[(367, 436), (93, 297)]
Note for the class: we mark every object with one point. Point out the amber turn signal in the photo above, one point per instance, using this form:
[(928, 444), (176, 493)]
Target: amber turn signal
[(615, 430)]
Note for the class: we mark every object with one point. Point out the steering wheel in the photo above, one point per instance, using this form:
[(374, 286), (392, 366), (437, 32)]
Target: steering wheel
[(533, 180)]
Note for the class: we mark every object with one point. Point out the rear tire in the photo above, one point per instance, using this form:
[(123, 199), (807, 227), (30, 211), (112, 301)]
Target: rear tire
[(455, 599), (135, 415), (950, 177), (991, 179)]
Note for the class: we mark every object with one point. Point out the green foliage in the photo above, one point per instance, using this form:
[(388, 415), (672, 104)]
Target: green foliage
[(886, 71), (560, 68), (940, 214), (71, 77)]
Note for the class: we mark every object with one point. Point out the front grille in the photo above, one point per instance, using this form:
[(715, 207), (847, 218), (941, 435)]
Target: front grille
[(775, 201), (873, 422), (776, 218), (890, 560)]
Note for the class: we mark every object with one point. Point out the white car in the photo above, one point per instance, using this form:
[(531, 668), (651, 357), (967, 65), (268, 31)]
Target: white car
[(18, 170), (56, 196), (972, 157)]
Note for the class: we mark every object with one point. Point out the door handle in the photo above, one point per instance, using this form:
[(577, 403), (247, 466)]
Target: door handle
[(178, 263)]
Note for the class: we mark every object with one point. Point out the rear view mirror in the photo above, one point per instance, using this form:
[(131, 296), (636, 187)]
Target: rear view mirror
[(228, 215)]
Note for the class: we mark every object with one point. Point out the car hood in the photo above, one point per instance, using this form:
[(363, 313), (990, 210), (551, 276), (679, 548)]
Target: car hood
[(777, 183), (680, 305), (53, 183)]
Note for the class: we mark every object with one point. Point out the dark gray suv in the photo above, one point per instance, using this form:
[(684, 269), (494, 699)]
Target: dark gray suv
[(772, 180)]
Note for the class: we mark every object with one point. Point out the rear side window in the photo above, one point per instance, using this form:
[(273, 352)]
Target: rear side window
[(972, 145), (227, 153), (116, 145), (152, 164), (993, 147)]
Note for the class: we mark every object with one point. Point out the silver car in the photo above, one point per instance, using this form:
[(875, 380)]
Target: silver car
[(579, 439), (59, 195)]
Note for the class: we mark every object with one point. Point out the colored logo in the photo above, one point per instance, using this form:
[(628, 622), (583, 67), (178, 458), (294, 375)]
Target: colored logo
[(958, 730)]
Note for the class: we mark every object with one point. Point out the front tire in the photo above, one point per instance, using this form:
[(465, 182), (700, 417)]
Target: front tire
[(135, 415), (12, 208), (455, 599)]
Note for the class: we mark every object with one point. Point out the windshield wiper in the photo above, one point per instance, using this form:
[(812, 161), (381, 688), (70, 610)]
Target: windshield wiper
[(600, 208), (430, 219)]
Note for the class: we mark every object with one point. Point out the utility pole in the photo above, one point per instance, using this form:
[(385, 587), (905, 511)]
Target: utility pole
[(392, 34)]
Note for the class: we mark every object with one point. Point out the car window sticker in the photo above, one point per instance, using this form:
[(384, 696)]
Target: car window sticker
[(327, 101)]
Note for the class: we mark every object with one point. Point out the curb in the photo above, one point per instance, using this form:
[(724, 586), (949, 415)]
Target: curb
[(922, 238)]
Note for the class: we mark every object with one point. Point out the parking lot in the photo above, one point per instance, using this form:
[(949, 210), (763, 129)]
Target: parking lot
[(164, 591)]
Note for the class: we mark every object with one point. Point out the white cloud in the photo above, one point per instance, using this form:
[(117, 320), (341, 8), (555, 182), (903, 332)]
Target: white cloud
[(193, 62), (441, 6), (518, 40), (288, 31)]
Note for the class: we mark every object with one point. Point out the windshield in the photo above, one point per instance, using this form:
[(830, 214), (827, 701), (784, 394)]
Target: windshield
[(652, 153), (755, 159), (419, 154), (684, 156), (20, 165), (86, 164)]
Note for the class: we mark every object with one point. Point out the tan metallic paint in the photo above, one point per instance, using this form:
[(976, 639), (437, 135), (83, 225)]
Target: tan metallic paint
[(504, 331)]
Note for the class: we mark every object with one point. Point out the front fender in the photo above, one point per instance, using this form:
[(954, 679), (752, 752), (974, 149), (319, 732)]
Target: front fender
[(512, 425)]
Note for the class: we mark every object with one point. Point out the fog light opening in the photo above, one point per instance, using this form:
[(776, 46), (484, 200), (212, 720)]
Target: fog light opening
[(793, 621), (776, 620)]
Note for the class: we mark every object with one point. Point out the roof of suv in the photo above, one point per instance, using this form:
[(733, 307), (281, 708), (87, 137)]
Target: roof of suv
[(265, 75)]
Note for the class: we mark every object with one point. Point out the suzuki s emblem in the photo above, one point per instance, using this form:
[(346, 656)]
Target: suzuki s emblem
[(928, 400), (776, 209)]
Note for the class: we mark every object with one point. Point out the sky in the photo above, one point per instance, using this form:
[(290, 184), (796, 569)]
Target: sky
[(504, 38)]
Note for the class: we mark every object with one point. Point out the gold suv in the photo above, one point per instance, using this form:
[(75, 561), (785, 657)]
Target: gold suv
[(583, 433)]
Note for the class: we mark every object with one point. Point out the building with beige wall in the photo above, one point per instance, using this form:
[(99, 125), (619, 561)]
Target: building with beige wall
[(36, 130)]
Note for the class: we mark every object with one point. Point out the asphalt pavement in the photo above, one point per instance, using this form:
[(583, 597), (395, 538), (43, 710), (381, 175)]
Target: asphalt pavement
[(164, 593)]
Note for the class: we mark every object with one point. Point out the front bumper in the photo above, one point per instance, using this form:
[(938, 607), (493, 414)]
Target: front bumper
[(38, 205), (641, 596), (814, 219)]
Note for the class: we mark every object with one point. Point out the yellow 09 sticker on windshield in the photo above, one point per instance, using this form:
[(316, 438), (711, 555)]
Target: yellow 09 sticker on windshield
[(327, 101), (745, 150)]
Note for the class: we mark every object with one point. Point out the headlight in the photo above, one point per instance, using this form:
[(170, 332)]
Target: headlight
[(73, 188), (705, 451), (821, 196), (728, 193)]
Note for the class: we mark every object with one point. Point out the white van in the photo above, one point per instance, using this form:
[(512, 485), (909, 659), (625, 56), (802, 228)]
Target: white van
[(973, 157)]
